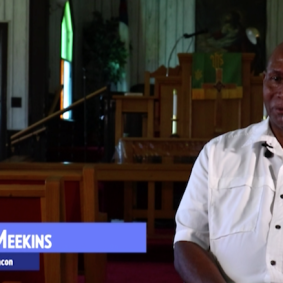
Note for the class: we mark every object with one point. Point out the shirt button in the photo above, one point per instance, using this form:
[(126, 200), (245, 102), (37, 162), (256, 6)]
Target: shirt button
[(273, 262), (281, 196), (277, 226)]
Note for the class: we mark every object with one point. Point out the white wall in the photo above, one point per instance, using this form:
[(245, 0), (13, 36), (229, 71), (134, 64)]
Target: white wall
[(16, 14), (154, 27)]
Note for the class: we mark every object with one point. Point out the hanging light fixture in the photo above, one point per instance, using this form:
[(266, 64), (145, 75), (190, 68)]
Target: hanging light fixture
[(253, 35)]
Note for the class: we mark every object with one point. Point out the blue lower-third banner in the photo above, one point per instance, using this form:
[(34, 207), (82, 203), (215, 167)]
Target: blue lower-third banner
[(22, 261), (72, 237)]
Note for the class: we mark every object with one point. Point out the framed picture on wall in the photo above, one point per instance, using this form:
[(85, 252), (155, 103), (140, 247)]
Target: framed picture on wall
[(227, 22)]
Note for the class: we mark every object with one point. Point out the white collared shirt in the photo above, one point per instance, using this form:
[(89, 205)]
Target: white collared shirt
[(233, 204)]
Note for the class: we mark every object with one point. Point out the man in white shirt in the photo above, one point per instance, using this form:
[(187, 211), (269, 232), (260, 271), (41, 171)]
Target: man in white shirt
[(230, 219)]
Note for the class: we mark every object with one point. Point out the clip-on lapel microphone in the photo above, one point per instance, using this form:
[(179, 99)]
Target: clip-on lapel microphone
[(267, 153)]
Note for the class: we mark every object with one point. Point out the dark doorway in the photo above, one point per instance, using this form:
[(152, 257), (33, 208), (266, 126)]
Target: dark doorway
[(3, 87)]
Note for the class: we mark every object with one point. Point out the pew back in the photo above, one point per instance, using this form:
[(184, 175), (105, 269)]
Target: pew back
[(49, 193), (149, 173), (77, 191)]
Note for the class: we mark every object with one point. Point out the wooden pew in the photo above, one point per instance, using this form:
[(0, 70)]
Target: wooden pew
[(149, 173), (49, 194), (90, 213), (94, 173), (95, 264)]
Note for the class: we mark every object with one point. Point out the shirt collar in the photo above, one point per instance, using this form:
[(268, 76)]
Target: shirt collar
[(263, 133), (260, 132)]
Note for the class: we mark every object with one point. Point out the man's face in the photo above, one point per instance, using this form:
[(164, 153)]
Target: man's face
[(273, 90)]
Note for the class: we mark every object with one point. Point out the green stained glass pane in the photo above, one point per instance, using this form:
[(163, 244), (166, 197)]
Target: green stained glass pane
[(67, 34)]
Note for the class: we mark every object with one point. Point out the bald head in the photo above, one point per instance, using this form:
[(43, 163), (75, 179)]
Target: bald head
[(273, 91), (276, 55)]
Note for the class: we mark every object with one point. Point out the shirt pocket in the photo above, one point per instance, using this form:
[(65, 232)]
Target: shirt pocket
[(235, 205)]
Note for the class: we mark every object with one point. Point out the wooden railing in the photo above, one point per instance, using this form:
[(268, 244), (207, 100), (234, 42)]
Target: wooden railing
[(33, 133), (40, 122)]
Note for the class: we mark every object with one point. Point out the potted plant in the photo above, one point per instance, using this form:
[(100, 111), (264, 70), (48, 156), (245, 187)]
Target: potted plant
[(104, 58), (104, 54)]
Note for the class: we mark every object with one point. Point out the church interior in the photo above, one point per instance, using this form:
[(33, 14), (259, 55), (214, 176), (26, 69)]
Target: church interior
[(104, 107)]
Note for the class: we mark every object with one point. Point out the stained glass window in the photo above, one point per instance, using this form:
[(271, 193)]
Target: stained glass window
[(66, 61)]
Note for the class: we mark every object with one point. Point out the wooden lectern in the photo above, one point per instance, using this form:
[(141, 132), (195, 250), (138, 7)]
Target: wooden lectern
[(196, 116)]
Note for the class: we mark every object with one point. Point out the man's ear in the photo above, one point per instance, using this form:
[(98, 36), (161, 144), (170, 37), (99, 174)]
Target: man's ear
[(263, 75)]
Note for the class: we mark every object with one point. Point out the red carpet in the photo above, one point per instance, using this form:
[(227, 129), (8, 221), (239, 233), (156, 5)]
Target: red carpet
[(140, 272), (154, 266)]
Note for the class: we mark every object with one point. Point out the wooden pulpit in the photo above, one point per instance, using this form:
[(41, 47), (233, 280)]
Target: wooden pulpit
[(207, 118)]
